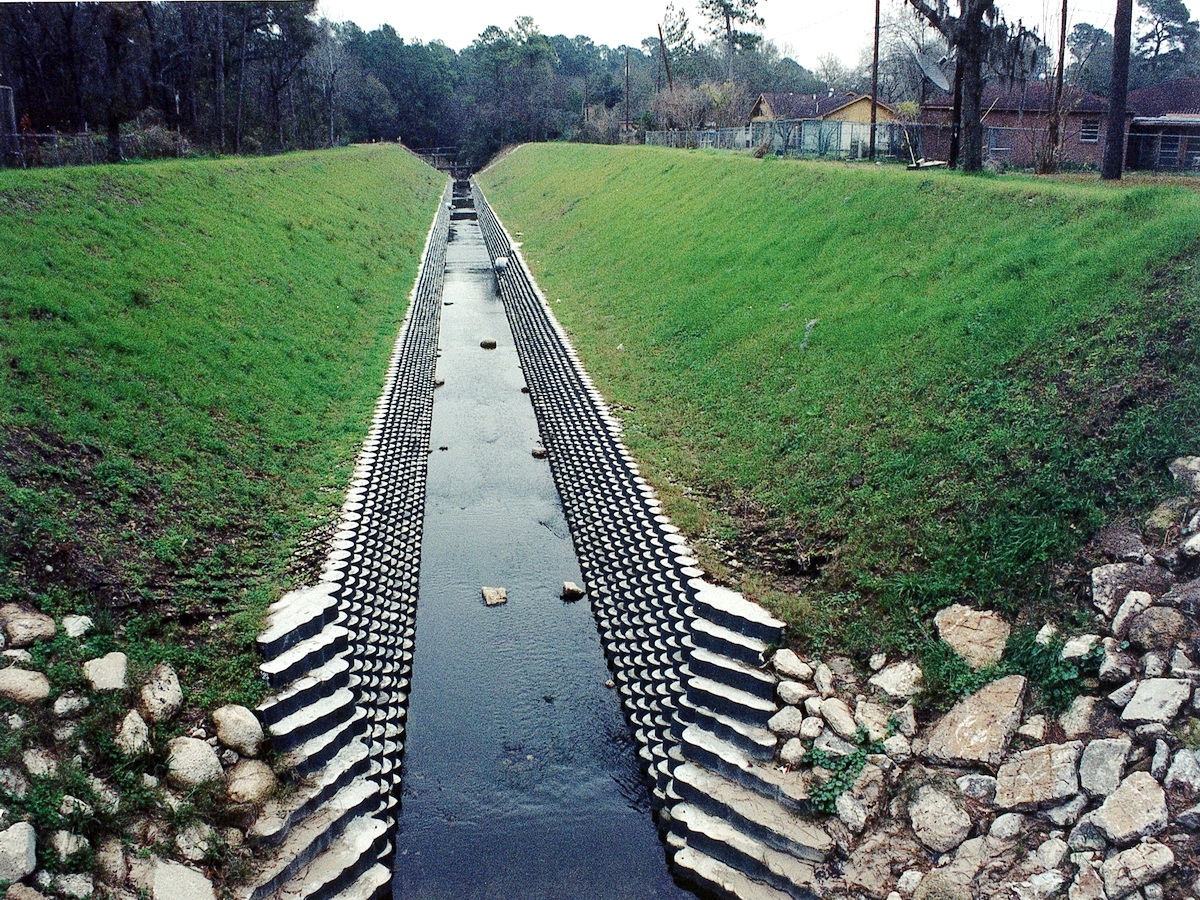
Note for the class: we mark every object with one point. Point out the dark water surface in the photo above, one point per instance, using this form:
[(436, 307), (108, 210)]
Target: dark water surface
[(521, 779)]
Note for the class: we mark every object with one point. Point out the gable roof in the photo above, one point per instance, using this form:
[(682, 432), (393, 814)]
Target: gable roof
[(806, 106), (1177, 97), (1031, 97)]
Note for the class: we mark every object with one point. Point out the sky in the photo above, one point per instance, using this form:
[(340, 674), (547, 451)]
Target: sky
[(803, 29)]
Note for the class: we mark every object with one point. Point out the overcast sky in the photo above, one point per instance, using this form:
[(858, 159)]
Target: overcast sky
[(808, 28)]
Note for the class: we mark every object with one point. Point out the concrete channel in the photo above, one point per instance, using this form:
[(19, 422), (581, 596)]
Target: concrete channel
[(524, 775)]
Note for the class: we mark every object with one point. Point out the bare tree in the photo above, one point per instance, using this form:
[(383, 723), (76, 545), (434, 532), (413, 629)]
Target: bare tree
[(1114, 139)]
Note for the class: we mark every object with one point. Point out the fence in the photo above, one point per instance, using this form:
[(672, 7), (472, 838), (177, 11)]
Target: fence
[(37, 150), (800, 137)]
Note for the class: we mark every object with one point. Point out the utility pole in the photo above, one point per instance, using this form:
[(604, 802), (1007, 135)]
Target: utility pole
[(626, 90), (662, 45), (875, 86), (1114, 138)]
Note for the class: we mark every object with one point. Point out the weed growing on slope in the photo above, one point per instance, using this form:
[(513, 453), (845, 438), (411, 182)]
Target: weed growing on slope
[(998, 368)]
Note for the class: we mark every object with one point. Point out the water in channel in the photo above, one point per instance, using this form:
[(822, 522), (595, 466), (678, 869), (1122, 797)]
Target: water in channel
[(521, 779)]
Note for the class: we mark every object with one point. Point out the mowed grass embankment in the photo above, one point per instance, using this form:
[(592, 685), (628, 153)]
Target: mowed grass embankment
[(189, 356), (867, 392)]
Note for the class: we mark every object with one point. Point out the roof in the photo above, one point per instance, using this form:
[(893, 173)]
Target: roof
[(1031, 97), (804, 106), (1179, 96), (810, 106)]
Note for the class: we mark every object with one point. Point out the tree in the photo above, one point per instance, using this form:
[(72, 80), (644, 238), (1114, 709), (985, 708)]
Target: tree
[(1091, 50), (1114, 138), (1168, 41), (977, 33), (724, 16)]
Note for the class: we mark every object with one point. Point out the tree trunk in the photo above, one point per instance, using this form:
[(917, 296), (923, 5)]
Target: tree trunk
[(220, 73), (970, 55), (1114, 138)]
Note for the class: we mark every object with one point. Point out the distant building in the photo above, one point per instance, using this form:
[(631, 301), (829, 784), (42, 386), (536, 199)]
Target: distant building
[(1165, 131), (841, 106), (1016, 123)]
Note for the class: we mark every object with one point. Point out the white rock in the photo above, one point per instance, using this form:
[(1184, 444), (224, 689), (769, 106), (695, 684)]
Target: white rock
[(1135, 810), (812, 706), (823, 680), (1116, 666), (1162, 759), (899, 681), (906, 719), (909, 881), (1102, 765), (1041, 776), (786, 722), (898, 747), (24, 687), (191, 763), (161, 696), (133, 736), (108, 672), (873, 718), (811, 727), (979, 728), (39, 762), (1184, 773), (1077, 720), (250, 781), (196, 841), (833, 745), (1135, 602), (877, 661), (18, 852), (938, 822), (172, 881), (1157, 700), (1121, 696), (839, 717), (66, 845), (1045, 635), (793, 693), (1154, 665), (24, 626), (792, 752), (1068, 813), (1079, 646), (1034, 728), (239, 729), (978, 636), (77, 626), (75, 885), (790, 666), (111, 862), (1007, 827), (70, 706), (1130, 869)]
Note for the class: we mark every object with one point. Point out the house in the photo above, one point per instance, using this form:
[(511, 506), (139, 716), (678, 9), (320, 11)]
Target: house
[(1016, 121), (837, 123), (842, 106), (1165, 131)]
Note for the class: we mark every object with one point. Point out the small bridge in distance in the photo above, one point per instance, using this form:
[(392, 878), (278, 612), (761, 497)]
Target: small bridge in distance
[(445, 159)]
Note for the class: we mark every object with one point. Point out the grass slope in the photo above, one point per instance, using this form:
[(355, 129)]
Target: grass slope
[(189, 354), (882, 391)]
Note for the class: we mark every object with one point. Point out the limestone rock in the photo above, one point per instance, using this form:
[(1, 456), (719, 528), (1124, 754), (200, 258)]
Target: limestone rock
[(1079, 718), (18, 852), (70, 706), (979, 728), (77, 626), (1157, 700), (823, 680), (1135, 603), (172, 881), (75, 885), (22, 686), (793, 692), (1034, 729), (869, 868), (789, 665), (1087, 885), (191, 763), (107, 673), (786, 722), (1116, 666), (898, 747), (1136, 809), (1079, 646), (1186, 470), (1166, 517), (792, 752), (839, 717), (873, 718), (133, 737), (66, 845), (832, 744), (811, 727), (976, 635), (161, 695), (250, 781), (943, 884), (1184, 773), (977, 787), (1066, 813), (239, 729), (23, 892), (1102, 764), (196, 841), (1041, 776), (938, 822), (1158, 628), (24, 626), (900, 680), (1125, 872), (494, 596), (39, 762), (1112, 583)]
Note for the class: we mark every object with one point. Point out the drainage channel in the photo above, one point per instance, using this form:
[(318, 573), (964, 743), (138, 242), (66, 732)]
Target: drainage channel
[(521, 779), (524, 772)]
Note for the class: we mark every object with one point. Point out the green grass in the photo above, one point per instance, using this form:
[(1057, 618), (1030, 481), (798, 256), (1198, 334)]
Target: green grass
[(868, 392), (189, 355)]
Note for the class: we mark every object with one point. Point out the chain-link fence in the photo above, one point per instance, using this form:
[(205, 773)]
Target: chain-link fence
[(37, 150)]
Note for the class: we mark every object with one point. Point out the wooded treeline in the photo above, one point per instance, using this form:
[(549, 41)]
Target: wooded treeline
[(266, 77)]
